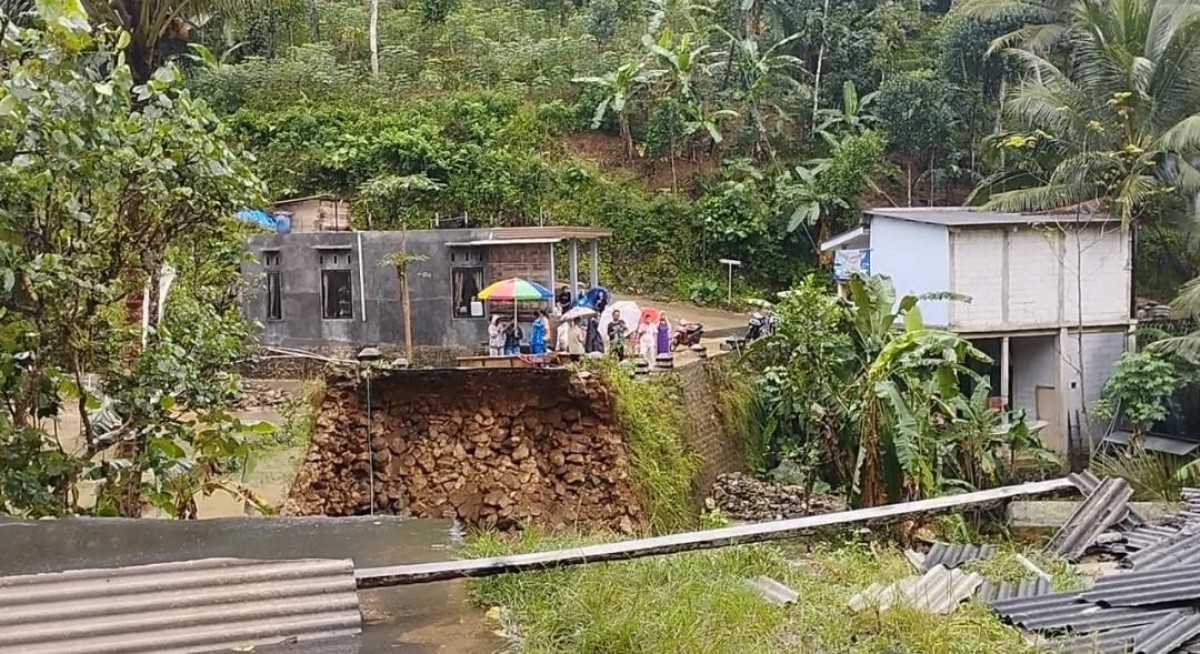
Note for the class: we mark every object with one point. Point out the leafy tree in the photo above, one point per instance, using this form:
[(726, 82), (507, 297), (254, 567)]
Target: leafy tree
[(603, 19), (885, 404), (101, 175), (914, 110), (1119, 127), (1140, 389), (151, 25)]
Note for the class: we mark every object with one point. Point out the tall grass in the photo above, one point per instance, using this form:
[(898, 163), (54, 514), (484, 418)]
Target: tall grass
[(700, 603), (650, 413), (1154, 476)]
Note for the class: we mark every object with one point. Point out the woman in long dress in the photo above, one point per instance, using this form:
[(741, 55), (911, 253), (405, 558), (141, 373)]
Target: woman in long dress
[(647, 337), (664, 334)]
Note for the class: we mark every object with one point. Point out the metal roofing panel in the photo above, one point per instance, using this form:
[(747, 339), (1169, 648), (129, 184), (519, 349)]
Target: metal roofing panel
[(1087, 482), (772, 591), (1113, 641), (938, 591), (991, 591), (1105, 507), (1168, 633), (1181, 549), (190, 607), (1150, 588), (953, 555), (1147, 535), (1067, 612)]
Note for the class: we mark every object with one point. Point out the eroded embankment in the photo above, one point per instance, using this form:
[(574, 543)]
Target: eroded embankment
[(490, 447)]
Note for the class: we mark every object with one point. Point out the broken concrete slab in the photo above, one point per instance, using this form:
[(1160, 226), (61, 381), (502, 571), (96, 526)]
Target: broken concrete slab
[(1050, 515)]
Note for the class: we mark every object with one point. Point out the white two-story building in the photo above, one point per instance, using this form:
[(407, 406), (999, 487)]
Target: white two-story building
[(1048, 296)]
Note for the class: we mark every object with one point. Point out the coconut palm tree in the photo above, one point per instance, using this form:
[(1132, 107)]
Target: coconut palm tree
[(151, 24), (1122, 125)]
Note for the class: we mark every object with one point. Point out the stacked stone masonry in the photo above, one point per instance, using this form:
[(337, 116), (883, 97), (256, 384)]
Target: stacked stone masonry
[(493, 448)]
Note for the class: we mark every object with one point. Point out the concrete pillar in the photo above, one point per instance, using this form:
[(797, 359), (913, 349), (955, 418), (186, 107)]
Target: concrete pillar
[(553, 272), (1005, 364), (574, 266), (594, 269)]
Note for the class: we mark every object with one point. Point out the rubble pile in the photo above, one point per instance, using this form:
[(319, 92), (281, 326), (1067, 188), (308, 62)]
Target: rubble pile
[(493, 449), (743, 497), (258, 396)]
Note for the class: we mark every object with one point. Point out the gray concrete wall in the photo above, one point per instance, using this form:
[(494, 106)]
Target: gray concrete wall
[(302, 325), (1034, 362)]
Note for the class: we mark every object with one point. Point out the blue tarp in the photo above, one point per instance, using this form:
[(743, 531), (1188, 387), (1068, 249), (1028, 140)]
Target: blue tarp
[(256, 217)]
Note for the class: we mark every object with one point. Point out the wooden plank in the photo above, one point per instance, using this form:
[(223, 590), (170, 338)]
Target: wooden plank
[(401, 575)]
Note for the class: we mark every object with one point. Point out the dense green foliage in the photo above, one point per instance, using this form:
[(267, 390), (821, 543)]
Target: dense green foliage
[(886, 414), (109, 186)]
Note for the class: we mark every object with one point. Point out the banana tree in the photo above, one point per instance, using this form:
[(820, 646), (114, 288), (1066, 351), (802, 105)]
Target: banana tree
[(853, 115), (620, 86), (908, 392)]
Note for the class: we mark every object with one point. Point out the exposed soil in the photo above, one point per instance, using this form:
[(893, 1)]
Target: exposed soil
[(607, 152)]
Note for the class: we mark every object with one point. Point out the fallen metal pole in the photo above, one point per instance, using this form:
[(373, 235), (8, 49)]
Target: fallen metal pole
[(420, 573)]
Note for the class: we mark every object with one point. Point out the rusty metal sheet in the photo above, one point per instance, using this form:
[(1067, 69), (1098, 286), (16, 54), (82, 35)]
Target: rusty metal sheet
[(192, 607)]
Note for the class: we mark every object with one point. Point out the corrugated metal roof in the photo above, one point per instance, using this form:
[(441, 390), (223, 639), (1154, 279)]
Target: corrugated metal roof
[(1155, 587), (1113, 641), (1068, 612), (192, 607), (1105, 507), (1165, 635), (1181, 549), (953, 555), (940, 590), (1087, 482), (1147, 535), (991, 591)]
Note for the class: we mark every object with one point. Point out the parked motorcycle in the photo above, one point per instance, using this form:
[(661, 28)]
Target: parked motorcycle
[(687, 334), (760, 325)]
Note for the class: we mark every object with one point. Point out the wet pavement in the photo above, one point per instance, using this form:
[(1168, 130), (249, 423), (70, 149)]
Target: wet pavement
[(424, 619)]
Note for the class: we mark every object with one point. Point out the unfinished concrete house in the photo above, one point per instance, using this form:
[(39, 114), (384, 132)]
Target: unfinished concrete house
[(1050, 296), (330, 291)]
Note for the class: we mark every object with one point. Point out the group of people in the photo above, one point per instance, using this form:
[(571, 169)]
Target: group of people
[(580, 336)]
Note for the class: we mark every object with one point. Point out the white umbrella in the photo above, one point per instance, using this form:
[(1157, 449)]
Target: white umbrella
[(631, 313), (577, 312)]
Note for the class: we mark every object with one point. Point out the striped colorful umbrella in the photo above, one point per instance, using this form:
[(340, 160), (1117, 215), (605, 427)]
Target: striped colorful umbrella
[(514, 290)]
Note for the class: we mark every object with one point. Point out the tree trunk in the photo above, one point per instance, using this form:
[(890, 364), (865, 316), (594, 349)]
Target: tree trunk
[(908, 180), (374, 35), (314, 19), (820, 62), (408, 337)]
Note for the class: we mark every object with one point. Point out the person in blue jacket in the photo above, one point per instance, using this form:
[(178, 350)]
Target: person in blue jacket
[(537, 336)]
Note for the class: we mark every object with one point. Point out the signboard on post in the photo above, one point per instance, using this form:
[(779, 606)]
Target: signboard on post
[(846, 263)]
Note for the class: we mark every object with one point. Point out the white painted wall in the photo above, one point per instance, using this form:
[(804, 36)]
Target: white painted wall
[(1097, 257), (978, 273), (916, 257), (1029, 277)]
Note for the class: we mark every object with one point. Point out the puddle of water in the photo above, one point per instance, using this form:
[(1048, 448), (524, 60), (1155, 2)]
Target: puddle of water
[(422, 619)]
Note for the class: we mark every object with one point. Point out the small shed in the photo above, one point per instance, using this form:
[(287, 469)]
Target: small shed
[(316, 213)]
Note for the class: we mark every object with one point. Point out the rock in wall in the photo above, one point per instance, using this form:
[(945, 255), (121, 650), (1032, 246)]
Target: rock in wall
[(494, 448)]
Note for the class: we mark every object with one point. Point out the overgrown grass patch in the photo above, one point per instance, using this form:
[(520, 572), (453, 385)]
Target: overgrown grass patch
[(1005, 566), (699, 602), (650, 413)]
